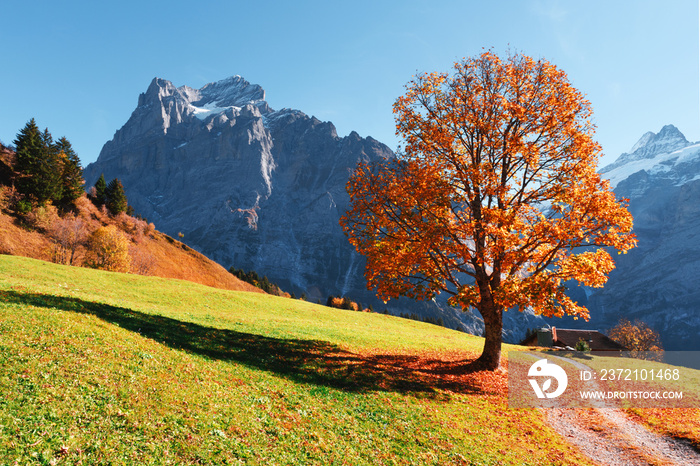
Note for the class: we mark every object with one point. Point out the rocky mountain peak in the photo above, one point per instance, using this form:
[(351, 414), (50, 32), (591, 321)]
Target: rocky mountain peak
[(651, 144), (232, 91), (666, 140), (170, 105), (156, 92)]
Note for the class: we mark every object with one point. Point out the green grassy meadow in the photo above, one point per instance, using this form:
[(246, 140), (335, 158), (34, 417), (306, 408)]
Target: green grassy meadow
[(106, 368)]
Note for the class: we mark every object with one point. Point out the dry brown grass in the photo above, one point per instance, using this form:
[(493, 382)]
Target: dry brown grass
[(173, 259), (19, 241)]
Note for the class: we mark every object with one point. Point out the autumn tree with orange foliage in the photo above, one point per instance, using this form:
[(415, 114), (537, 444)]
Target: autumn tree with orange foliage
[(636, 336), (494, 198)]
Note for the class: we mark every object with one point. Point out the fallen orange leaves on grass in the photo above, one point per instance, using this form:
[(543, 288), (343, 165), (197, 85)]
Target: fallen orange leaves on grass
[(450, 371)]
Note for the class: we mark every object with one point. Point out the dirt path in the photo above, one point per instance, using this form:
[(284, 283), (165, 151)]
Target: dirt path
[(610, 437)]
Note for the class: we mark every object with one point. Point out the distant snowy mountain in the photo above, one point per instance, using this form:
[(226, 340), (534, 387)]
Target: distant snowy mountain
[(666, 154), (658, 281), (256, 188)]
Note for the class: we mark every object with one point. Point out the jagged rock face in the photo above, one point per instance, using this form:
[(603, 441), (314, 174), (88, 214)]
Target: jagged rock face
[(256, 189), (656, 281), (248, 186)]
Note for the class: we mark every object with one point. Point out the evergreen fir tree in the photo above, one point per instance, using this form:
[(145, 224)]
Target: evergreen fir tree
[(100, 191), (28, 146), (347, 304), (72, 173), (115, 197), (49, 171)]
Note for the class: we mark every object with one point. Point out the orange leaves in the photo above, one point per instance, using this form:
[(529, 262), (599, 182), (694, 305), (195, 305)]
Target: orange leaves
[(589, 268), (393, 207), (495, 198), (108, 249), (466, 297), (636, 336)]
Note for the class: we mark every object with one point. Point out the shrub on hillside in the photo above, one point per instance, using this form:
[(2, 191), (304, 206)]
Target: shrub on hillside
[(136, 227), (23, 206), (142, 262), (344, 303), (5, 248), (83, 207), (8, 198), (67, 234), (42, 217), (108, 249)]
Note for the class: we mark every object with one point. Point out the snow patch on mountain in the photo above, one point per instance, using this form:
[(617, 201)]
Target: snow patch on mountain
[(209, 109)]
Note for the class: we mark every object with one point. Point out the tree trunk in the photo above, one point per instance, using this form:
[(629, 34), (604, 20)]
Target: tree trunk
[(490, 358)]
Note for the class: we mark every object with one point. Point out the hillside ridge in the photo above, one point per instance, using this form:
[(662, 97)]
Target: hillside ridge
[(152, 252)]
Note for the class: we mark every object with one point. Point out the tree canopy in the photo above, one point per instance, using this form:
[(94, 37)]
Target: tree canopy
[(37, 164), (71, 174), (116, 201), (111, 195), (108, 249), (100, 191), (494, 198), (636, 336)]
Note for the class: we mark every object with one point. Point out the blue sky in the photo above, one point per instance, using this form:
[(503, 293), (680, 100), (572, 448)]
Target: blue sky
[(78, 67)]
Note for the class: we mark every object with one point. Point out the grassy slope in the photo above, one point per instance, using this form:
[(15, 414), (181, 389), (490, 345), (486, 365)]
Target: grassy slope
[(106, 368)]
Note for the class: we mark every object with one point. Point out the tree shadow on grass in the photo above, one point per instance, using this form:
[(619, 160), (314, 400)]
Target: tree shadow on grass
[(310, 361)]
